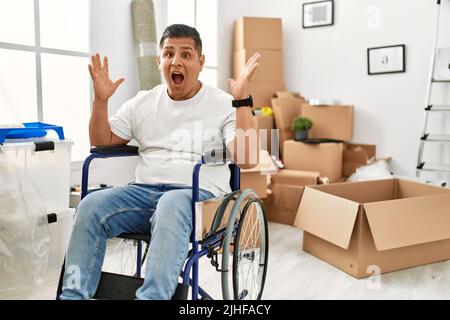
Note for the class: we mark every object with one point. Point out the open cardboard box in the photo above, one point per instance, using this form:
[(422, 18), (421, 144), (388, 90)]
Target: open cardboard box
[(286, 107), (387, 224)]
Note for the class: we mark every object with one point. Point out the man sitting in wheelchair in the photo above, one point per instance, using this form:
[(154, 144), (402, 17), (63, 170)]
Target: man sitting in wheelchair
[(174, 123)]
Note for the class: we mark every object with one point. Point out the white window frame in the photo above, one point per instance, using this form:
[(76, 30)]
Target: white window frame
[(38, 50), (164, 11)]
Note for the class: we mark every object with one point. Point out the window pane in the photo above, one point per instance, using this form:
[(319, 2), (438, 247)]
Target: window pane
[(209, 76), (181, 11), (66, 98), (207, 27), (65, 24), (17, 21), (17, 86)]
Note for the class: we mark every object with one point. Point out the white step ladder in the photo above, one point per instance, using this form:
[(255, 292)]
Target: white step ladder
[(439, 73)]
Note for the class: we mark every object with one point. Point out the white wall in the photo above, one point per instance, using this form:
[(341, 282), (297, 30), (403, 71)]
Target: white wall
[(326, 62), (330, 62), (112, 35)]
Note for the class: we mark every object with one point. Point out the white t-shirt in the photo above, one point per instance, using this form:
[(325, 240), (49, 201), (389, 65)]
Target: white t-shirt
[(172, 135)]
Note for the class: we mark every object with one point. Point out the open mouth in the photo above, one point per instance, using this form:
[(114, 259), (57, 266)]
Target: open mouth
[(177, 77)]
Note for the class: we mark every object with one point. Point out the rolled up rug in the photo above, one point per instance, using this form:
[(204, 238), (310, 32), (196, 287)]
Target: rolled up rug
[(144, 29)]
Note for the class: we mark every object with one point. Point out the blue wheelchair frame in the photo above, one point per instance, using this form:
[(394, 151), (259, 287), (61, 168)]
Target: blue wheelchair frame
[(195, 254)]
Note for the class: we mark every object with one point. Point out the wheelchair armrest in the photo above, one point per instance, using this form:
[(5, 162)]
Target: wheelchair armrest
[(124, 149), (217, 156)]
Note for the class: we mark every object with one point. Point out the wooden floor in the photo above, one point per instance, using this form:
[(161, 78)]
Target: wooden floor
[(293, 274)]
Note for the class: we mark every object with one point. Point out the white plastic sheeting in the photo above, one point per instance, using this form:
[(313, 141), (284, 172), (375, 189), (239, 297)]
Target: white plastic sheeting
[(24, 233), (378, 170)]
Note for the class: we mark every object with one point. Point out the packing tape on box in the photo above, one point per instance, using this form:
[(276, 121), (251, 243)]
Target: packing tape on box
[(323, 102)]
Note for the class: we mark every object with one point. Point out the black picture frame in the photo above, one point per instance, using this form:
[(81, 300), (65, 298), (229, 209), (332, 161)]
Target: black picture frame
[(305, 9), (389, 57)]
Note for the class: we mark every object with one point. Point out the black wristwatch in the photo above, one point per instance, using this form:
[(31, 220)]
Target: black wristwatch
[(244, 103)]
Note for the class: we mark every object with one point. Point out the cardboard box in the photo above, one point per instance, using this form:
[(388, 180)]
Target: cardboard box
[(270, 67), (262, 92), (256, 178), (331, 121), (287, 94), (384, 224), (205, 213), (355, 156), (284, 135), (295, 177), (286, 190), (265, 123), (285, 109), (282, 204), (325, 158), (258, 33)]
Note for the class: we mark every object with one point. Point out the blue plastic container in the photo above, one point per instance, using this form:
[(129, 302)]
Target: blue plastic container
[(30, 130)]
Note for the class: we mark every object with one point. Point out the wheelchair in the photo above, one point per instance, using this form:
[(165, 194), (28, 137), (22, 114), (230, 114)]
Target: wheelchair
[(240, 236)]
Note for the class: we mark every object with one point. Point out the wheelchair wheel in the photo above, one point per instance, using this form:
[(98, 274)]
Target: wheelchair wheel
[(247, 227), (121, 256)]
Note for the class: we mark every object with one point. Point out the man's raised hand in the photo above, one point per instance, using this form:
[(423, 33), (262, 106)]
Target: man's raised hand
[(104, 87), (239, 88)]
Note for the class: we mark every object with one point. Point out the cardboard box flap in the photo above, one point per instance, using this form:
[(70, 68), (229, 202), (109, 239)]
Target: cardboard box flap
[(287, 94), (327, 216), (265, 166), (362, 191), (410, 189), (285, 110), (405, 222)]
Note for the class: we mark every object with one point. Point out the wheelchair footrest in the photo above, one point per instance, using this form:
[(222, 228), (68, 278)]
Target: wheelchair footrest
[(181, 292), (114, 286)]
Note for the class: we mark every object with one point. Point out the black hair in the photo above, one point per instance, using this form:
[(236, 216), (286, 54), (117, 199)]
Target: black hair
[(182, 31)]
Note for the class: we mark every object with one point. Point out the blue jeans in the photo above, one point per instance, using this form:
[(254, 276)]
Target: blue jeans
[(163, 210)]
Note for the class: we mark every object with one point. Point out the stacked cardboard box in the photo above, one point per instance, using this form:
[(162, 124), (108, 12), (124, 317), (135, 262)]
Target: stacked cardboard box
[(331, 162), (263, 35), (329, 122), (325, 158)]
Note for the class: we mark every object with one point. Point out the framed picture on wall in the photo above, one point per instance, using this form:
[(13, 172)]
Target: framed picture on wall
[(389, 59), (318, 14)]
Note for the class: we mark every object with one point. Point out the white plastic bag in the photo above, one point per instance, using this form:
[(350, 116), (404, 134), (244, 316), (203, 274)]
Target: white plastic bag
[(24, 233), (375, 171)]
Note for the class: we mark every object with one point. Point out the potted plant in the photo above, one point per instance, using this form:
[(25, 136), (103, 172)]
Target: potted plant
[(301, 126)]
